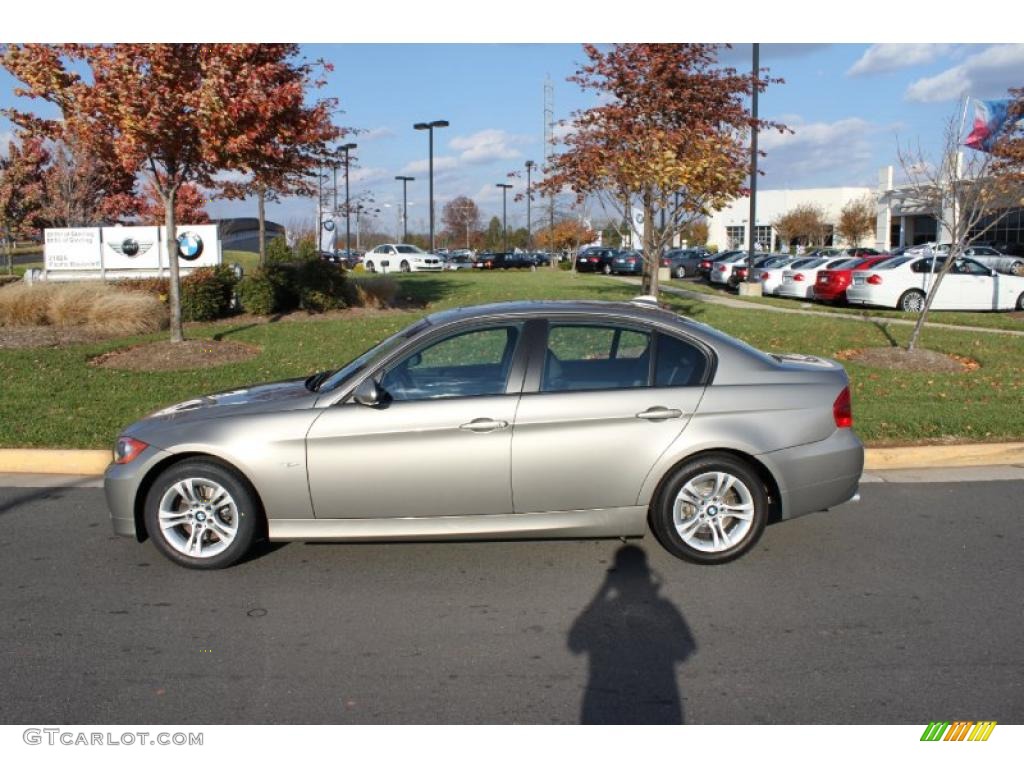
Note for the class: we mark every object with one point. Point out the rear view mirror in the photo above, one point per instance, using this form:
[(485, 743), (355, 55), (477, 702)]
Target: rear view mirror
[(367, 393)]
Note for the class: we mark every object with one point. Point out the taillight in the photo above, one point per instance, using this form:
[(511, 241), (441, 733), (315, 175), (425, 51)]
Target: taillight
[(798, 277), (721, 269), (842, 410), (128, 449), (764, 275), (875, 279)]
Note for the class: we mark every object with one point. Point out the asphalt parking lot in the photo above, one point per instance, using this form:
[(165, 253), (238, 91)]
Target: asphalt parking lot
[(905, 608)]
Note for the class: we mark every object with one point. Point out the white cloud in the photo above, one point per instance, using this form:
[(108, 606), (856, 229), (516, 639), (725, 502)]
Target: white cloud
[(826, 154), (367, 175), (6, 137), (488, 146), (890, 57), (375, 134), (441, 163), (988, 73)]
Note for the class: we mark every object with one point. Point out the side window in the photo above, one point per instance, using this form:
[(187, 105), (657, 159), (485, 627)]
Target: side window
[(469, 364), (595, 357), (679, 363)]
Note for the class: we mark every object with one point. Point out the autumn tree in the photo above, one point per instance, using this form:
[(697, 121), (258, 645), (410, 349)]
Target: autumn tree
[(568, 234), (189, 205), (281, 141), (83, 189), (969, 193), (492, 235), (695, 233), (857, 220), (669, 134), (461, 219), (176, 113), (806, 223), (22, 191)]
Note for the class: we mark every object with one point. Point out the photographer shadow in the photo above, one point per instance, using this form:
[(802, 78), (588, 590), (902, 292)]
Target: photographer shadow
[(634, 637)]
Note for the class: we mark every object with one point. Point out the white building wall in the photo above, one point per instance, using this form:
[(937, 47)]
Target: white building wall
[(773, 203)]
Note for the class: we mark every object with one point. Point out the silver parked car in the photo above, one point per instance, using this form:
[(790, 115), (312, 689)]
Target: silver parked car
[(582, 419)]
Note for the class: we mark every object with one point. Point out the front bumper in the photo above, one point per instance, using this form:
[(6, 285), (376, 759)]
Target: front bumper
[(121, 483)]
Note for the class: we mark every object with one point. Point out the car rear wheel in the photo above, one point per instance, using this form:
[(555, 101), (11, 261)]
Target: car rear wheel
[(912, 301), (680, 271), (201, 515), (370, 267), (1017, 268), (1020, 303), (607, 269), (711, 510)]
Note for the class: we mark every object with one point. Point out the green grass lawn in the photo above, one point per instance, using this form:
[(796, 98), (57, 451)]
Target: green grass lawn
[(1004, 320), (53, 398)]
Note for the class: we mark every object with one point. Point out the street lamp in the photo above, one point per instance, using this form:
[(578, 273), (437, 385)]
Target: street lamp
[(429, 127), (529, 196), (504, 210), (405, 204), (348, 230)]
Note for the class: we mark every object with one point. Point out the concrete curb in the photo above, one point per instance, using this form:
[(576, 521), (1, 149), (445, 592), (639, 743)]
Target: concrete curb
[(68, 462)]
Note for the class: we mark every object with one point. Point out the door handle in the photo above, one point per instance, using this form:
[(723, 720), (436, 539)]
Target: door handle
[(658, 413), (484, 425)]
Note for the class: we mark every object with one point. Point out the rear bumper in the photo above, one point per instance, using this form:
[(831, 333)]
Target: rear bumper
[(818, 475)]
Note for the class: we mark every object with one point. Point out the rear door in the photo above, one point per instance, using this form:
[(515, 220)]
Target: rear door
[(602, 401)]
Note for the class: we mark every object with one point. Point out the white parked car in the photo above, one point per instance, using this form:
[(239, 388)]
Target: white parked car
[(799, 278), (721, 271), (903, 283), (771, 277), (393, 257), (983, 254)]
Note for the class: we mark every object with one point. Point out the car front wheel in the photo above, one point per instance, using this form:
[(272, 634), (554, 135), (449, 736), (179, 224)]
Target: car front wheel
[(405, 266), (711, 510), (1020, 303), (912, 301), (1017, 268), (370, 267), (201, 515)]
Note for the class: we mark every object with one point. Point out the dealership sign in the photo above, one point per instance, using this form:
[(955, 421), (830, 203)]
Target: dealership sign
[(117, 249)]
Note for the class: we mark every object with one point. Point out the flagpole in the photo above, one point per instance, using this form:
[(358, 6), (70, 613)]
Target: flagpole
[(963, 117)]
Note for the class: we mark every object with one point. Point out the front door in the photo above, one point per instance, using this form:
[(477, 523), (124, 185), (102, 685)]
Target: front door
[(612, 398), (440, 443)]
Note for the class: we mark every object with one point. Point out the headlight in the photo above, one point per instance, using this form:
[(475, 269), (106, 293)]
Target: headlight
[(127, 449)]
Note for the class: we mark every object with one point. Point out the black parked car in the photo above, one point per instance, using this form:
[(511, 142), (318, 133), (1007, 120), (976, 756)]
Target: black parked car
[(704, 268), (505, 261), (596, 260)]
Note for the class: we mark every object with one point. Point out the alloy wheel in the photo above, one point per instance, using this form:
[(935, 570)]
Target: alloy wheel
[(198, 517), (713, 512)]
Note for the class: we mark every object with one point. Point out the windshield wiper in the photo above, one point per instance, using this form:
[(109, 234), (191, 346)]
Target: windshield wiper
[(313, 382)]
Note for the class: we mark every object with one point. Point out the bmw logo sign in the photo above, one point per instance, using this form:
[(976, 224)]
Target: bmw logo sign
[(190, 246), (329, 225)]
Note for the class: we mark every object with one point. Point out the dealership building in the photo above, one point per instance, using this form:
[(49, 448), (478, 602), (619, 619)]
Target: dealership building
[(900, 218)]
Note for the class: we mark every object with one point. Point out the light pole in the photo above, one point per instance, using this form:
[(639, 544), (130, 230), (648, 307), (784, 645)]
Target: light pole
[(529, 197), (504, 210), (348, 230), (334, 211), (755, 66), (405, 204), (429, 127)]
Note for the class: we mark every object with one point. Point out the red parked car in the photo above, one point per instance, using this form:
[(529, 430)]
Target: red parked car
[(832, 283)]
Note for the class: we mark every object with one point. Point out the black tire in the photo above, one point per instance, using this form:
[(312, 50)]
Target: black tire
[(370, 267), (607, 269), (404, 266), (1017, 268), (663, 511), (245, 506), (1020, 303), (680, 272), (912, 301)]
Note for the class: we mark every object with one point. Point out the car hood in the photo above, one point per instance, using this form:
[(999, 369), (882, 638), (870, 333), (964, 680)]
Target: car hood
[(276, 396)]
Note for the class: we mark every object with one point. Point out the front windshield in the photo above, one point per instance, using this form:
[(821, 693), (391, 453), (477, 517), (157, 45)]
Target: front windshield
[(370, 356), (408, 249), (891, 263)]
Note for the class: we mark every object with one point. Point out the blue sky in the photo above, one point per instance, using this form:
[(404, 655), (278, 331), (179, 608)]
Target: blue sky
[(847, 105)]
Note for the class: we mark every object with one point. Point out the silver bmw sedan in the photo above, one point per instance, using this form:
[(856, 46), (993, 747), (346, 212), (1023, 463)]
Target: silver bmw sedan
[(569, 420)]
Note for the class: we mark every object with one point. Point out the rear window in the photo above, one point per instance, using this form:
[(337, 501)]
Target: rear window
[(678, 363), (848, 264)]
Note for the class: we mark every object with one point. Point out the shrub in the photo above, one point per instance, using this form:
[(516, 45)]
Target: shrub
[(206, 293), (154, 286), (320, 285), (256, 293), (278, 251), (305, 249), (94, 305), (8, 279), (372, 292)]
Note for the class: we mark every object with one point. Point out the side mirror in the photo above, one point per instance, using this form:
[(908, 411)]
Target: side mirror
[(367, 393)]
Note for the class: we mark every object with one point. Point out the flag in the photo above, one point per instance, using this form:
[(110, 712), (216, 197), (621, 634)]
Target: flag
[(991, 119)]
